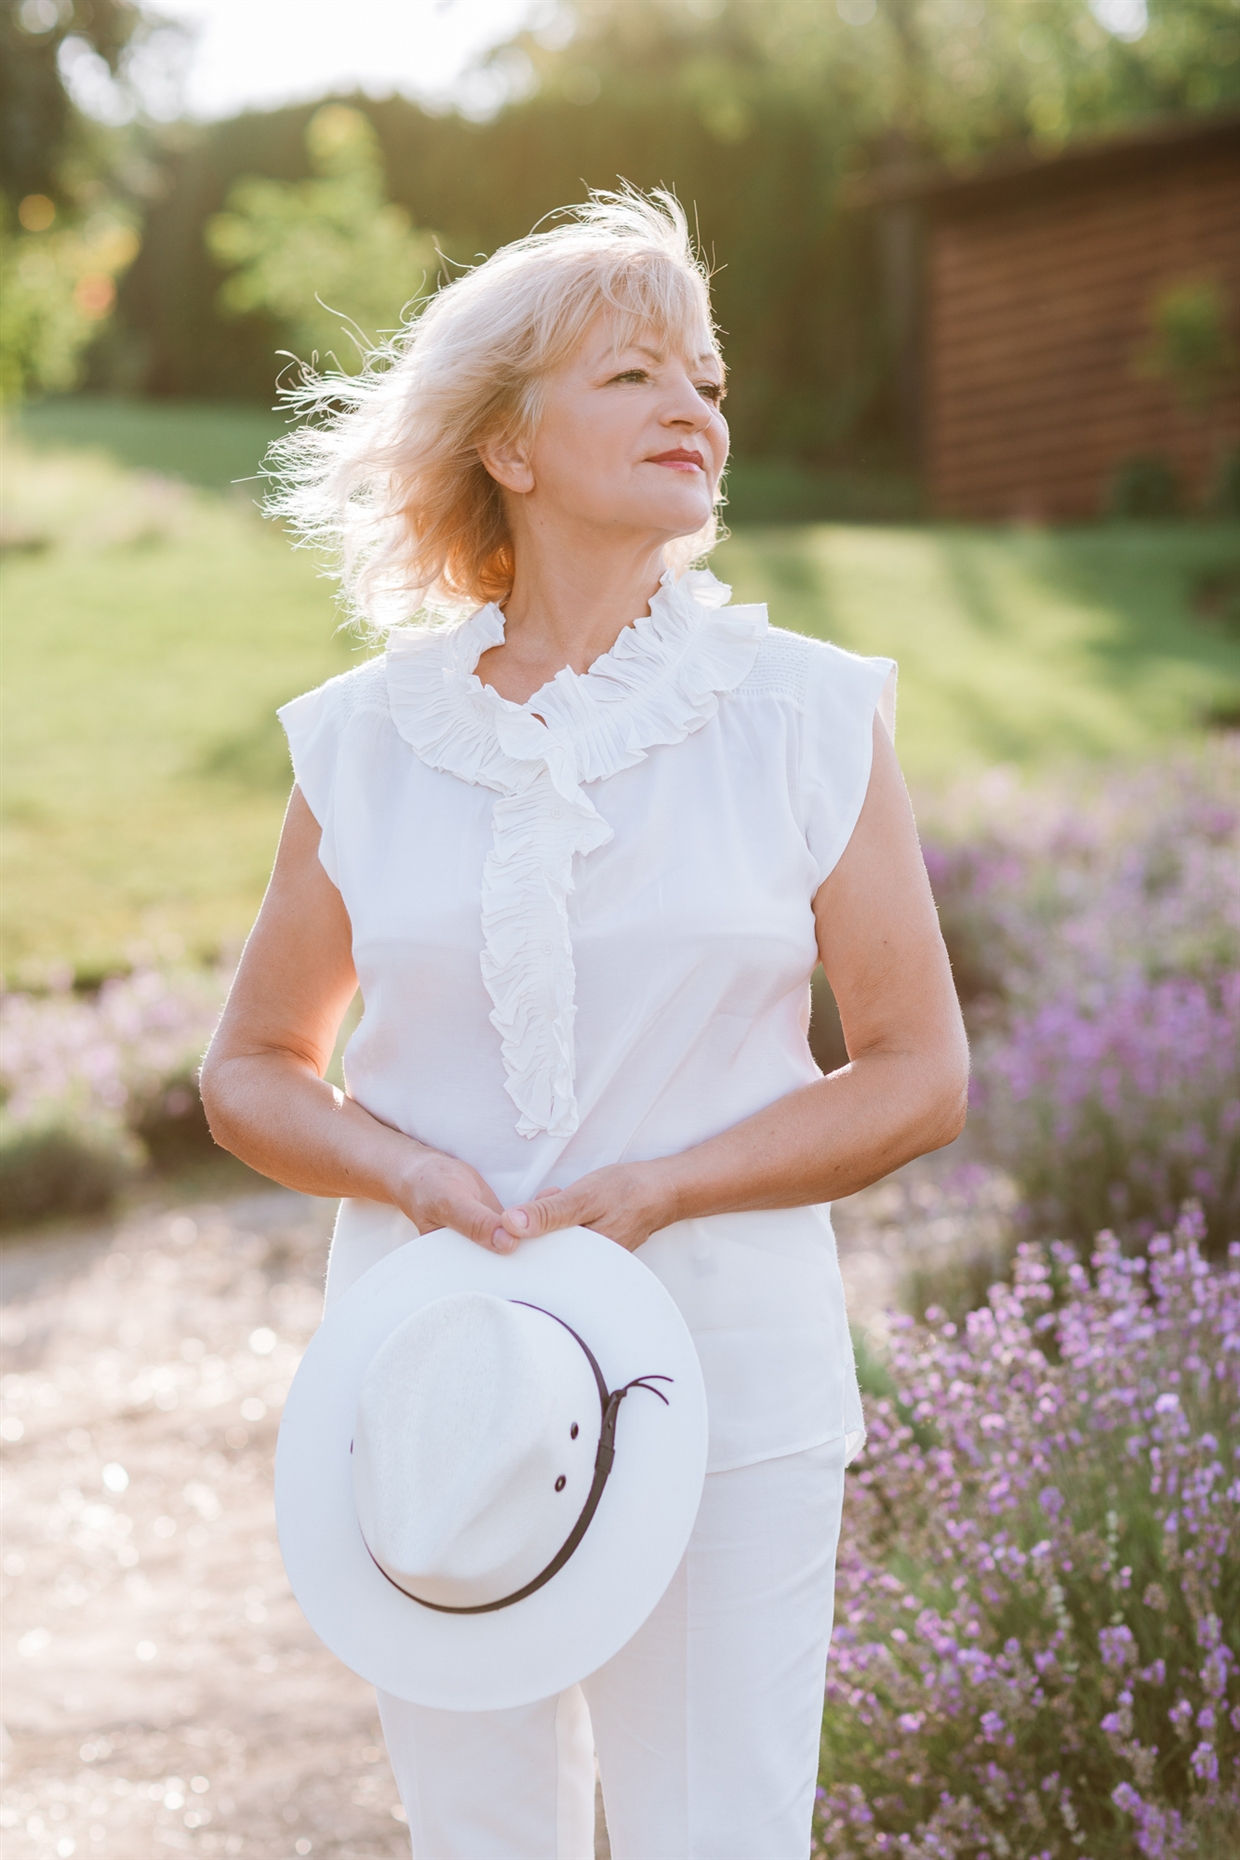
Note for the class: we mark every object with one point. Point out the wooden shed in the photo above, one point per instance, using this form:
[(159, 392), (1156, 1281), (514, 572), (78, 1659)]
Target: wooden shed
[(1031, 292)]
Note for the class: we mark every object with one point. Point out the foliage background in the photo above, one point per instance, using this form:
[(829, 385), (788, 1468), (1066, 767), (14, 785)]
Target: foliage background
[(761, 113)]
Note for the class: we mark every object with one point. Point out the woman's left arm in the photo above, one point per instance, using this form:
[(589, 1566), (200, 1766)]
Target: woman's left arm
[(903, 1092)]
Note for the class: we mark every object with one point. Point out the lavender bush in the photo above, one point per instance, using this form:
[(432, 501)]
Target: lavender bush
[(1038, 1616), (105, 1056), (1073, 881), (1095, 937), (94, 1084), (1115, 1102)]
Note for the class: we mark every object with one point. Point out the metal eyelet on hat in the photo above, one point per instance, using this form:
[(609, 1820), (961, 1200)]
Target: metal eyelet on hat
[(560, 1483), (573, 1431)]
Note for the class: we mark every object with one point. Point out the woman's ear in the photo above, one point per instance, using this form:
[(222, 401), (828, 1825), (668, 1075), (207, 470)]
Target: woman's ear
[(508, 463)]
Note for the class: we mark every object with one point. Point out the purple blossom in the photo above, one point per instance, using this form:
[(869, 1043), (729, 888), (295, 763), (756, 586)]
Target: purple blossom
[(101, 1059), (1117, 1646), (1116, 1102), (1012, 1612), (1096, 938), (1204, 1761)]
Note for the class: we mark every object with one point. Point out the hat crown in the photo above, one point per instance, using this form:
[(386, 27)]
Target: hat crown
[(477, 1426)]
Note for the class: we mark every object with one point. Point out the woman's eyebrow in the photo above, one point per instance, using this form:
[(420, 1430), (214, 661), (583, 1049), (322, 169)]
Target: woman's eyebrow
[(659, 356)]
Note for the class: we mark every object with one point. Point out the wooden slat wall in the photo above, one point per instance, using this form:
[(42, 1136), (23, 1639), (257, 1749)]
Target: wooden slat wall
[(1038, 312)]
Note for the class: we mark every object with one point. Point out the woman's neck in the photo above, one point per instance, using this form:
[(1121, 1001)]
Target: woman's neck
[(568, 611)]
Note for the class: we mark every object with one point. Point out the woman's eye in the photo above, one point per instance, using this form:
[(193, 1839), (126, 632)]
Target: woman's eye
[(632, 374), (711, 391)]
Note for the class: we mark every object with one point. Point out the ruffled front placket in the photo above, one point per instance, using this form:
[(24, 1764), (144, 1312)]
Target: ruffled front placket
[(660, 682)]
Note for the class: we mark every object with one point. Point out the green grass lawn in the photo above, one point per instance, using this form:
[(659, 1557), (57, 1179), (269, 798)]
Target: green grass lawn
[(152, 627), (213, 444), (1017, 645), (144, 652)]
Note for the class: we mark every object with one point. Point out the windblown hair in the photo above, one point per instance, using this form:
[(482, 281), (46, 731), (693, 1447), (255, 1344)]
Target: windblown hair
[(383, 474)]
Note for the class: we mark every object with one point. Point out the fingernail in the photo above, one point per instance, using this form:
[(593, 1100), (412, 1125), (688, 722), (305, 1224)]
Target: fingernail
[(519, 1218), (501, 1241)]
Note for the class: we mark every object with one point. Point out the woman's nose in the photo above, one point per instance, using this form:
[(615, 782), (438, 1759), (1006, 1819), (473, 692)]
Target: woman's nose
[(689, 409)]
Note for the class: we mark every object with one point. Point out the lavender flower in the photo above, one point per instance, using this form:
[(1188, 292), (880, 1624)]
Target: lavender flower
[(101, 1059), (1027, 1660), (1096, 940)]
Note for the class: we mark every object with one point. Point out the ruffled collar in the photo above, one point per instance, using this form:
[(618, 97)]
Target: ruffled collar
[(659, 682)]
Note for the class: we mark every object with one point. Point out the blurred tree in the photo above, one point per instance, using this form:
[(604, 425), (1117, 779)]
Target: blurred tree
[(944, 77), (758, 112), (39, 126), (68, 227), (316, 254), (56, 290)]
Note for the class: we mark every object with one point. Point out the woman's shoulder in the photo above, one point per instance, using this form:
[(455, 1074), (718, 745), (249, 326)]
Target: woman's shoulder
[(797, 668), (363, 688), (321, 730)]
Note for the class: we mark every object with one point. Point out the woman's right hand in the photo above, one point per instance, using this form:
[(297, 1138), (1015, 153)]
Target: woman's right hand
[(441, 1191)]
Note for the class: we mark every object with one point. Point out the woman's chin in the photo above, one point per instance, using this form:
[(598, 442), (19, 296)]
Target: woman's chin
[(680, 511), (664, 514)]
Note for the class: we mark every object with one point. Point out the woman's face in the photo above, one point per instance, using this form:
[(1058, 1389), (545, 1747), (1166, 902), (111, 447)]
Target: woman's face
[(630, 437)]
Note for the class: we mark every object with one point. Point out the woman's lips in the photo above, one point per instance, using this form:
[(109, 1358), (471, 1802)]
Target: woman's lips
[(678, 461)]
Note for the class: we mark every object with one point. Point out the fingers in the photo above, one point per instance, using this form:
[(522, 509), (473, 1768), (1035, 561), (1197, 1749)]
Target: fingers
[(469, 1217), (546, 1214), (456, 1197)]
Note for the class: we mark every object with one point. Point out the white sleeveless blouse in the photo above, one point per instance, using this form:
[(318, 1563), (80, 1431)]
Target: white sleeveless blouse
[(588, 940)]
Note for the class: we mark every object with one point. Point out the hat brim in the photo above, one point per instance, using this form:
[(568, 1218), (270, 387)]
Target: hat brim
[(592, 1606)]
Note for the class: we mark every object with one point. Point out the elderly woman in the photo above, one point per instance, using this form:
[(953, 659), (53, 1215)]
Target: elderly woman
[(580, 835)]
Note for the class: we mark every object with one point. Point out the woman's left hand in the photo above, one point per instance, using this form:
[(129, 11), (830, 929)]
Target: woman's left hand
[(625, 1202)]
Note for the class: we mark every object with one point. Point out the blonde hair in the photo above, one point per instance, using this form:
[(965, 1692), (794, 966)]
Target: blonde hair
[(384, 475)]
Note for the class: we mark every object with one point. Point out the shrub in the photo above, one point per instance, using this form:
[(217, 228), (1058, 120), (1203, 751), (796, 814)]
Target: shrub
[(1142, 488), (1190, 344), (952, 1233), (106, 1058), (94, 1083), (173, 1128), (1082, 879), (1094, 934), (52, 1170), (1227, 484), (1115, 1103), (1039, 1580)]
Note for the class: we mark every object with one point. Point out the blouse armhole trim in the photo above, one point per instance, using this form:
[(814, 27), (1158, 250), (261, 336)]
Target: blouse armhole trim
[(848, 692), (315, 725), (887, 699)]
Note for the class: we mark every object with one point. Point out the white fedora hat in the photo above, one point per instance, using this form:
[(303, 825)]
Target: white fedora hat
[(489, 1466)]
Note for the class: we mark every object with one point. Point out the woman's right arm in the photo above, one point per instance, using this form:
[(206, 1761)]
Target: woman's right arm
[(263, 1088)]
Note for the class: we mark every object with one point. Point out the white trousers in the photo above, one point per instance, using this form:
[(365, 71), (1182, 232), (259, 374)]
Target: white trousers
[(706, 1723)]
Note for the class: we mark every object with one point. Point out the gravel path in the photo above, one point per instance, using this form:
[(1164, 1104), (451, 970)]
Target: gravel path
[(164, 1694)]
